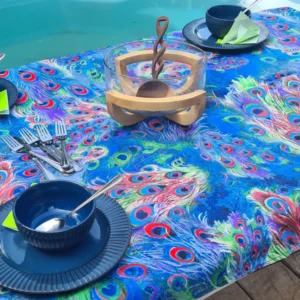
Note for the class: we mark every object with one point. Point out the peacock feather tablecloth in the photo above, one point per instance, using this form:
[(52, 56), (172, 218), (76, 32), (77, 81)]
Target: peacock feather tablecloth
[(208, 203)]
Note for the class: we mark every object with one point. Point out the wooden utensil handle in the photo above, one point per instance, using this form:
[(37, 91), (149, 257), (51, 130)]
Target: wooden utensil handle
[(160, 30)]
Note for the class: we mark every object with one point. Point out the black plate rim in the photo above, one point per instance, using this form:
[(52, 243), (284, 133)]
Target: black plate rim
[(188, 32), (11, 100), (46, 284)]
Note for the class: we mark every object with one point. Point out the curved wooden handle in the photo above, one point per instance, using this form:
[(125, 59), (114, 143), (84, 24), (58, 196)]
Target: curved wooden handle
[(191, 59), (157, 59), (117, 104)]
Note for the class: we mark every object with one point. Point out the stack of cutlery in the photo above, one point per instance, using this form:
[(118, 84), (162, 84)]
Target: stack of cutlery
[(53, 154)]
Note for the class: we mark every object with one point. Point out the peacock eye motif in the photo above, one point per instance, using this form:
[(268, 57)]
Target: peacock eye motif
[(292, 102), (277, 205), (294, 119), (177, 212), (227, 162), (226, 148), (203, 235), (249, 168), (254, 252), (3, 176), (257, 92), (257, 110), (182, 254), (174, 175), (141, 215), (178, 282), (139, 178), (157, 230), (151, 190), (257, 235), (136, 271), (246, 267), (290, 239), (267, 156), (183, 190), (240, 240), (156, 125), (27, 76), (30, 172)]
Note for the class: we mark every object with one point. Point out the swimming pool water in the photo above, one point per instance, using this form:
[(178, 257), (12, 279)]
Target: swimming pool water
[(38, 29)]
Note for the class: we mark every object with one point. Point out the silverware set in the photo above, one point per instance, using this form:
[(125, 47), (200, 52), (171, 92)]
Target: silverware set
[(55, 156)]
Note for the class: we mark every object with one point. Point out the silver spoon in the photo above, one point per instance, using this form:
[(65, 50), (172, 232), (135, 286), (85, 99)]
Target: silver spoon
[(254, 3), (56, 224)]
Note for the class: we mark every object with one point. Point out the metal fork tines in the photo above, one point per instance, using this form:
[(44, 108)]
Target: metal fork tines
[(15, 146), (47, 139), (61, 134), (33, 140), (29, 137)]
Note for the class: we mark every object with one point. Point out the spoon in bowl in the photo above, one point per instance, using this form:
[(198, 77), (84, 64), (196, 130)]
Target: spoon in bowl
[(57, 224)]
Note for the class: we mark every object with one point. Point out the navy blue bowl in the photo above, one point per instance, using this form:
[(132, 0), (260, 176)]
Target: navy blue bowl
[(220, 18), (47, 200)]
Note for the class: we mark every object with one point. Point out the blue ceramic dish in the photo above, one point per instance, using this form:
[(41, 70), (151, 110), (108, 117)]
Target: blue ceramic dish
[(197, 33), (12, 92), (48, 200), (26, 269), (220, 18)]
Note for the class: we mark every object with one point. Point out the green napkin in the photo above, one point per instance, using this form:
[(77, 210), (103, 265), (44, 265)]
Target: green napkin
[(9, 222), (243, 31), (4, 106)]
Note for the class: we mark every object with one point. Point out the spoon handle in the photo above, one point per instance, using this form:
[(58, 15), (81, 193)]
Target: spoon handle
[(255, 2), (157, 55), (117, 179)]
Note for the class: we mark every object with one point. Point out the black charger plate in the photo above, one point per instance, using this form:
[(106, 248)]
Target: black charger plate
[(197, 33), (12, 92), (29, 270)]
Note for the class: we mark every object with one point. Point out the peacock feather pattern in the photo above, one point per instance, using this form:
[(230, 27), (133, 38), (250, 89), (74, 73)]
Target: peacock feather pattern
[(208, 203)]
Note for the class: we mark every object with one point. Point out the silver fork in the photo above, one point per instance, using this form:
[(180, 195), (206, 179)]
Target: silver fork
[(47, 139), (15, 146), (61, 134), (33, 140)]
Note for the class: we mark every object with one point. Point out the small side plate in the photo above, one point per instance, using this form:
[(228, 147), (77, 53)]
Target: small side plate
[(197, 33), (26, 269)]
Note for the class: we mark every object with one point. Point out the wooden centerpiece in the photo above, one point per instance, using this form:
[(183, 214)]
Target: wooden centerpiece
[(177, 95)]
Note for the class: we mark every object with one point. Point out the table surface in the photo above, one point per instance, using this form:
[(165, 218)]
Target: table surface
[(216, 200)]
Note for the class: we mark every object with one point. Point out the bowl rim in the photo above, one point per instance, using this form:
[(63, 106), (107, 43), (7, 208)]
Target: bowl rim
[(228, 5), (205, 56), (56, 232)]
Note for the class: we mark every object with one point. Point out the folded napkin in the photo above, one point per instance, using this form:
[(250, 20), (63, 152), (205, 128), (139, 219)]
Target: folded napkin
[(9, 222), (4, 106), (243, 31)]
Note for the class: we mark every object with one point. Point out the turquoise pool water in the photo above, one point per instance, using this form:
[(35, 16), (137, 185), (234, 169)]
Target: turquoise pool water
[(38, 29)]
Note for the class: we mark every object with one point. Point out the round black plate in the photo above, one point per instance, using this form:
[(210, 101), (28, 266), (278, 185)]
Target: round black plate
[(12, 91), (29, 270), (197, 33)]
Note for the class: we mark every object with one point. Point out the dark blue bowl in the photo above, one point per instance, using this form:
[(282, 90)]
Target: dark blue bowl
[(48, 200), (220, 18)]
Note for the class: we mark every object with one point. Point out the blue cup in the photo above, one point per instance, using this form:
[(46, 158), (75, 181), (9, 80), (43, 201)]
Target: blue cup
[(220, 18)]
